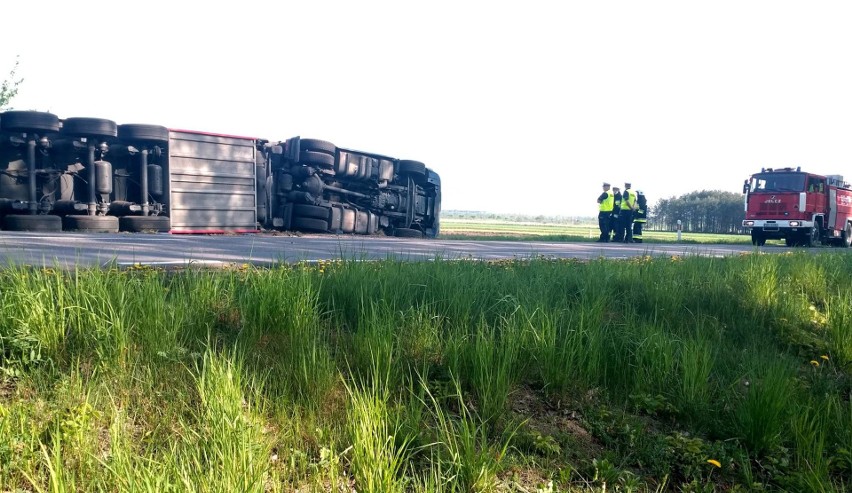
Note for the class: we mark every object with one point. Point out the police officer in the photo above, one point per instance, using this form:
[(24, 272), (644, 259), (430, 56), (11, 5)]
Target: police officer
[(625, 215), (616, 209), (605, 205), (640, 217)]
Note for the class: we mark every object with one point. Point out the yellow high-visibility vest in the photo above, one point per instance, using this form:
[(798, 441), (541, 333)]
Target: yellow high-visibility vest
[(608, 203), (629, 202)]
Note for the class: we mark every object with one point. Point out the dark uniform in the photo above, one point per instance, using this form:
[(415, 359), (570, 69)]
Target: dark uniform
[(605, 206), (616, 209), (640, 217)]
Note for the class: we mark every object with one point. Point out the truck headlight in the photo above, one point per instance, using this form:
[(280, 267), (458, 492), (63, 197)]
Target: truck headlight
[(795, 224), (748, 224)]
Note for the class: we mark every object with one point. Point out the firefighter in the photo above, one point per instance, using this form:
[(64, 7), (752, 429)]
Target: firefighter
[(616, 208), (605, 206), (640, 217), (625, 215)]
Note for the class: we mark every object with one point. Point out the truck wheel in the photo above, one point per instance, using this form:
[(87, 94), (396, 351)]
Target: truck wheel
[(317, 158), (409, 167), (90, 224), (757, 238), (316, 145), (27, 121), (812, 237), (313, 211), (310, 224), (22, 222), (138, 224), (89, 127), (846, 236), (407, 233), (143, 133)]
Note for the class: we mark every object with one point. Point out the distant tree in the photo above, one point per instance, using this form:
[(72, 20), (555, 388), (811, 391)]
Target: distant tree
[(707, 211), (9, 87)]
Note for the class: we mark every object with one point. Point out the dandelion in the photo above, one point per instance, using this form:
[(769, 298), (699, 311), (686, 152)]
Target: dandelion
[(815, 363), (714, 462), (824, 357)]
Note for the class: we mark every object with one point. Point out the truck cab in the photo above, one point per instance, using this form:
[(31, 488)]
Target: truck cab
[(803, 209)]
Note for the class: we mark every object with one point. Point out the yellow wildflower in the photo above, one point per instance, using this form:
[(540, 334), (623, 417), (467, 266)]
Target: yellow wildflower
[(824, 357), (714, 462), (815, 363)]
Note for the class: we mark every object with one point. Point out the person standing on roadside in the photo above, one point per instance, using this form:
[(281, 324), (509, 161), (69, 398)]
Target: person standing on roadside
[(640, 217), (625, 215), (605, 205), (616, 209)]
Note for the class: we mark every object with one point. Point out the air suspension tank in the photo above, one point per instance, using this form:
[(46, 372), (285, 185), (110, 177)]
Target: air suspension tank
[(155, 180), (103, 177)]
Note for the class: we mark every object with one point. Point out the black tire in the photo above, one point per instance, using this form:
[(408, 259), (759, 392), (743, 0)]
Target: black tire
[(757, 238), (312, 211), (89, 127), (21, 222), (409, 167), (138, 224), (846, 236), (812, 239), (317, 158), (316, 145), (310, 224), (407, 233), (91, 224), (136, 132), (26, 121)]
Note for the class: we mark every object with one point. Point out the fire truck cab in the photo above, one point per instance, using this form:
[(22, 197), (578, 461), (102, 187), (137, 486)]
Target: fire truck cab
[(803, 209)]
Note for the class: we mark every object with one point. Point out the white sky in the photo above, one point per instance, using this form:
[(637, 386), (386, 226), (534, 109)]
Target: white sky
[(520, 107)]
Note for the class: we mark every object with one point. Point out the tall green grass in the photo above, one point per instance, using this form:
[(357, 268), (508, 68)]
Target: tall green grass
[(417, 376)]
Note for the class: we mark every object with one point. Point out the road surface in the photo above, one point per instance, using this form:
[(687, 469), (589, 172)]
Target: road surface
[(66, 250)]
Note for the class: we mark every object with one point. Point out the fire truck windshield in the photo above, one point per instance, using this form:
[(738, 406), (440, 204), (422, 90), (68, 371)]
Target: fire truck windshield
[(778, 182)]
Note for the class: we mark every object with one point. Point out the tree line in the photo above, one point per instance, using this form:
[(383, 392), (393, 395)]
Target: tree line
[(705, 211)]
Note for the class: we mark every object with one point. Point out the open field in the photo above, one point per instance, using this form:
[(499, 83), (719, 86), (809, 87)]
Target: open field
[(454, 228), (649, 374)]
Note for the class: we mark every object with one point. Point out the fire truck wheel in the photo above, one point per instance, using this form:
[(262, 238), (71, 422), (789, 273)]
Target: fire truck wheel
[(407, 233), (22, 222), (314, 211), (27, 121), (138, 224), (757, 238), (812, 238), (89, 127), (846, 236), (316, 145), (90, 224), (310, 224), (143, 133)]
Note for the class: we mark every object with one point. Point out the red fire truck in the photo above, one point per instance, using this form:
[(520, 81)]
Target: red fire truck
[(802, 208)]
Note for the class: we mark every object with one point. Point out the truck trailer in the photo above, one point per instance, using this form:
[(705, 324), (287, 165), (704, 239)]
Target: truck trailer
[(95, 175), (803, 209)]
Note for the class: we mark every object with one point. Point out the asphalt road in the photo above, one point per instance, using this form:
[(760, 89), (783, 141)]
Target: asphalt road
[(65, 250)]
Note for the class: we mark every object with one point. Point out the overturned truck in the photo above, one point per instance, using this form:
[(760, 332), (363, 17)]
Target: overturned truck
[(94, 175)]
